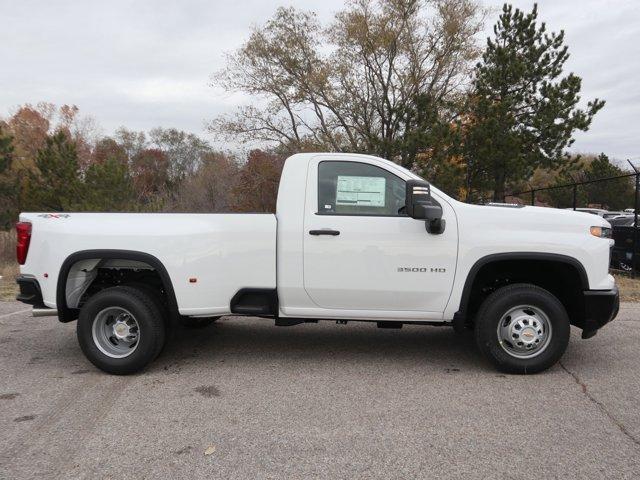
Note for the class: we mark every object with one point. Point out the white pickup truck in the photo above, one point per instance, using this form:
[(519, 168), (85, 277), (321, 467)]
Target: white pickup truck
[(355, 237)]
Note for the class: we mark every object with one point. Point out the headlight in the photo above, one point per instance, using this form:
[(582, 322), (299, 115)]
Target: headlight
[(602, 232)]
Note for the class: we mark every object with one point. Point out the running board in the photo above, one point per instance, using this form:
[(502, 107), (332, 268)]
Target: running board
[(44, 312)]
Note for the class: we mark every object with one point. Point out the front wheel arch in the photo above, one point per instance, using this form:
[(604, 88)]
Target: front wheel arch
[(563, 276)]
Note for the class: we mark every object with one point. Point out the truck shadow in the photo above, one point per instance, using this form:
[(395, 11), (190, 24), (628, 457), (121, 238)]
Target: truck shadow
[(250, 340)]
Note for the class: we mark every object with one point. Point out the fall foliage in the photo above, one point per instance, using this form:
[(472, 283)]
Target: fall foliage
[(48, 163)]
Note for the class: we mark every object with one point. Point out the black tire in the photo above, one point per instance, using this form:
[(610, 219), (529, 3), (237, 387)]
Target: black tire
[(195, 323), (498, 304), (150, 320), (154, 293), (160, 300)]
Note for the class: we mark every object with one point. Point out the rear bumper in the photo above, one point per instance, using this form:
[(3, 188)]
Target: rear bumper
[(30, 292), (600, 307)]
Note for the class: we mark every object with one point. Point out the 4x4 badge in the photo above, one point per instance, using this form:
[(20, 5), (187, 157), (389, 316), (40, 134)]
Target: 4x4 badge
[(54, 215)]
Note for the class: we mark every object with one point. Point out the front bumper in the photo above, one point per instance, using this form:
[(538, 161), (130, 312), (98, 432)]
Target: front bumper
[(600, 307), (30, 292)]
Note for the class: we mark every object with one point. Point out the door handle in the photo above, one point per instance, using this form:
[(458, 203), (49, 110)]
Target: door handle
[(325, 231)]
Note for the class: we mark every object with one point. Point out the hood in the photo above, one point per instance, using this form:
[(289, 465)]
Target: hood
[(554, 219)]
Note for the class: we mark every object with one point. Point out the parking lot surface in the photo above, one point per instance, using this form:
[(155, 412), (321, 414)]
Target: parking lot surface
[(316, 401)]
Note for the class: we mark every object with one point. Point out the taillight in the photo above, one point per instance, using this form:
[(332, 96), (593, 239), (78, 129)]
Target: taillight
[(23, 229)]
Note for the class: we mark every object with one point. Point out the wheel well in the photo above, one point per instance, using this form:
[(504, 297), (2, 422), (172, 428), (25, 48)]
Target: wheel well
[(109, 275), (564, 280), (85, 273)]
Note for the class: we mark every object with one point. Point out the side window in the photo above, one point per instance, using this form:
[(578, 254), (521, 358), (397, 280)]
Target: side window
[(352, 188)]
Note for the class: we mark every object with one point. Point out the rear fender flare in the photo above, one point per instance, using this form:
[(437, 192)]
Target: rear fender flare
[(66, 314)]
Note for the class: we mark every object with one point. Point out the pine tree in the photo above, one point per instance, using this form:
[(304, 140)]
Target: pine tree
[(6, 152), (430, 143), (616, 194), (108, 187), (523, 112), (8, 189), (56, 186)]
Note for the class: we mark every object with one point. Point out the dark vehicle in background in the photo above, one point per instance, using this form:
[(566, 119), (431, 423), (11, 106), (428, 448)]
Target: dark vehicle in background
[(623, 232)]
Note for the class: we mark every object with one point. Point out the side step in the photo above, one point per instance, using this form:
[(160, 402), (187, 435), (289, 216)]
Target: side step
[(255, 301)]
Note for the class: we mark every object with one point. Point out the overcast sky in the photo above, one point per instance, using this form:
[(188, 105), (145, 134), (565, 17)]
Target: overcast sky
[(148, 63)]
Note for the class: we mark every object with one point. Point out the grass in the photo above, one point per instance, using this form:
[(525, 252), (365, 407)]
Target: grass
[(8, 266), (629, 287), (8, 286)]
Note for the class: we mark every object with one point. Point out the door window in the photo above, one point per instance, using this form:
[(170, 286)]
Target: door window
[(353, 188)]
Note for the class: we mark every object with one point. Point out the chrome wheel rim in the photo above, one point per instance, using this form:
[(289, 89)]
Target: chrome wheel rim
[(115, 332), (524, 331)]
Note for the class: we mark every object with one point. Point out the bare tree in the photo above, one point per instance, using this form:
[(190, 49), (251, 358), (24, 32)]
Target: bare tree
[(256, 186), (184, 150), (347, 87), (211, 188)]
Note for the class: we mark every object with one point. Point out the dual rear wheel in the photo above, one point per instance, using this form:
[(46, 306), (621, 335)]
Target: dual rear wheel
[(121, 329)]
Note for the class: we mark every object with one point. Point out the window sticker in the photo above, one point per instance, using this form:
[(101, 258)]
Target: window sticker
[(360, 191)]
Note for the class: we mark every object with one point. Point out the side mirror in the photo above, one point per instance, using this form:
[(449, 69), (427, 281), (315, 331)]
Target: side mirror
[(420, 206)]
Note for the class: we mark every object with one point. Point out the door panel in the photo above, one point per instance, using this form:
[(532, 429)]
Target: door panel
[(375, 262)]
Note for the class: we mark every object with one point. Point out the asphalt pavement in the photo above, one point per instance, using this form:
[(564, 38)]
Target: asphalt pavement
[(245, 399)]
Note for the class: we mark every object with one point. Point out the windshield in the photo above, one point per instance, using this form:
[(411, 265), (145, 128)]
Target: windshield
[(408, 172), (622, 221), (415, 176)]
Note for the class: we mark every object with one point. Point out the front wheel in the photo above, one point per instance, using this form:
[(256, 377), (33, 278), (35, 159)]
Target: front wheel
[(522, 329), (121, 329)]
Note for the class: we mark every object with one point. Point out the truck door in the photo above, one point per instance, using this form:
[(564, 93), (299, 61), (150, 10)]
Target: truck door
[(361, 252)]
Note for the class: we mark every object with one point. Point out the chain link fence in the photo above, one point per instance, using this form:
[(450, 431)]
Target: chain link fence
[(616, 199)]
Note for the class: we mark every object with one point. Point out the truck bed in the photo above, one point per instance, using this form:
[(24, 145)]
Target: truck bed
[(209, 257)]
